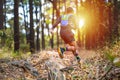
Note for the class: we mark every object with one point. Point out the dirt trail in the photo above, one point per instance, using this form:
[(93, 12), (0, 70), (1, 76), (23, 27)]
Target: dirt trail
[(85, 54), (47, 63)]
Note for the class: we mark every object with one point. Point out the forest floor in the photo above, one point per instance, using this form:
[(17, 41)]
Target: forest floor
[(46, 65)]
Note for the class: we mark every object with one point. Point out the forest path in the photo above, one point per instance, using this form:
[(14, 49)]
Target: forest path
[(48, 62), (86, 54), (88, 61)]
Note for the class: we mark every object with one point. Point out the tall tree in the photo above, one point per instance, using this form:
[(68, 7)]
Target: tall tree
[(116, 12), (52, 38), (58, 15), (79, 40), (5, 14), (37, 29), (1, 14), (25, 22), (16, 25), (32, 44), (110, 21), (43, 38), (54, 3), (42, 15)]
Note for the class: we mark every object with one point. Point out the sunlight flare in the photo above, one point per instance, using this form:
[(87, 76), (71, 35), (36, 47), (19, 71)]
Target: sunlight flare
[(81, 23), (83, 0)]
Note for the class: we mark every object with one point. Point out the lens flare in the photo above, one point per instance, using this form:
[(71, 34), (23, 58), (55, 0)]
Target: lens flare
[(81, 23), (83, 0)]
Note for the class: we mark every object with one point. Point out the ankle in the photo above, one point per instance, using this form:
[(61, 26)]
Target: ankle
[(75, 53), (66, 48)]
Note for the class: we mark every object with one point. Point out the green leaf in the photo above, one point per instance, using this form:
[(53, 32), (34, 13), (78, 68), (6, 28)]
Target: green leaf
[(109, 56)]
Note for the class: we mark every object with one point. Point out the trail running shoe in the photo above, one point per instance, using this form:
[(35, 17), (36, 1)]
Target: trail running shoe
[(61, 51), (78, 59)]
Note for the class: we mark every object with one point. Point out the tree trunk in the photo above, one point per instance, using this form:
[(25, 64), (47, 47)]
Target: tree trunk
[(16, 26), (43, 39), (42, 26), (2, 17), (25, 23), (57, 15), (116, 12), (110, 22), (32, 44), (54, 3), (78, 29), (52, 38), (37, 29), (1, 14), (5, 14)]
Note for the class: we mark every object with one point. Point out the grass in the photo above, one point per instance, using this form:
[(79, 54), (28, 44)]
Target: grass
[(112, 53), (5, 53)]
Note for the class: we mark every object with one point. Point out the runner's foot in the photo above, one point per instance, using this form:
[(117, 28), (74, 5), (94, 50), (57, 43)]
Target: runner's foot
[(78, 59), (61, 51)]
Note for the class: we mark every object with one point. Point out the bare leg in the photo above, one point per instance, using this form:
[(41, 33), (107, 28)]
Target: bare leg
[(73, 47)]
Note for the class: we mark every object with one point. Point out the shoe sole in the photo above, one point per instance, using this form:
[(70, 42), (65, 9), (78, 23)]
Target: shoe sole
[(59, 52)]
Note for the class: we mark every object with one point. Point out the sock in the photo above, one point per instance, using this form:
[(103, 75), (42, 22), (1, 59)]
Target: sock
[(66, 49)]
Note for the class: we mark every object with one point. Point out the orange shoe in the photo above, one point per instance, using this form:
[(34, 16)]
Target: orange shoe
[(61, 51)]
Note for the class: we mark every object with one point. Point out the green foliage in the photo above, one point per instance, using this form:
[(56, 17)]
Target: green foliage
[(9, 39), (109, 55), (16, 54), (10, 22), (5, 53), (36, 2), (25, 1), (48, 21), (24, 47), (1, 33), (112, 53), (19, 55)]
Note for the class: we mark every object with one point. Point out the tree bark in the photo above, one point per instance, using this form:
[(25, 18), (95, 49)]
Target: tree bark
[(16, 26), (5, 14), (57, 15), (32, 44), (37, 29), (25, 23), (52, 38), (116, 12), (110, 22), (1, 14), (43, 39)]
